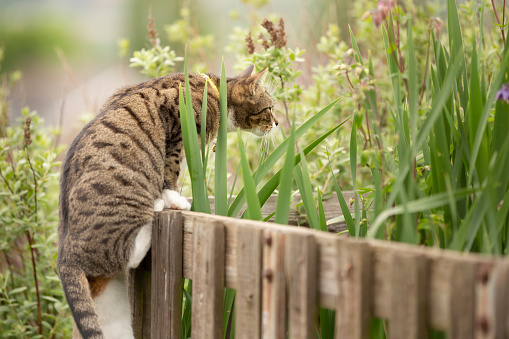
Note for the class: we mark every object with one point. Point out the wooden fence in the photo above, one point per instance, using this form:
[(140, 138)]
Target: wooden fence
[(282, 274)]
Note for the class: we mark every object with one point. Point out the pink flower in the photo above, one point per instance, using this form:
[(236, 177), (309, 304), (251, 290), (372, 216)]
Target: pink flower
[(380, 13)]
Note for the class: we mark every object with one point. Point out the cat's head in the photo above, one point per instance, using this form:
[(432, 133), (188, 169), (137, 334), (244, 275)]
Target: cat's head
[(250, 106)]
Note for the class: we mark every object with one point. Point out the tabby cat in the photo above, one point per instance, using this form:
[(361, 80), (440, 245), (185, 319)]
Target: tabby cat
[(122, 167)]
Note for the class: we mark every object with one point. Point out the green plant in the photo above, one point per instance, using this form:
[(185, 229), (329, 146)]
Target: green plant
[(449, 187), (32, 303)]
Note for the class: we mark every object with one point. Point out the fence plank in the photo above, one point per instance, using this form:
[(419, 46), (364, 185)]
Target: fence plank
[(500, 294), (301, 261), (491, 294), (354, 274), (273, 285), (167, 276), (409, 291), (208, 280), (248, 292), (462, 304)]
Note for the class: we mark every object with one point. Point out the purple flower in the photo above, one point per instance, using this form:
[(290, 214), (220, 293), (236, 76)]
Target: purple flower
[(503, 93)]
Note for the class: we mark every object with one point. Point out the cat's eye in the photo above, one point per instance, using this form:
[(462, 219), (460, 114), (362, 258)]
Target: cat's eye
[(263, 110)]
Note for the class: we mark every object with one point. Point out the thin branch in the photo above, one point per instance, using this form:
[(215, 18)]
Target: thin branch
[(423, 87), (34, 272), (498, 20), (29, 237)]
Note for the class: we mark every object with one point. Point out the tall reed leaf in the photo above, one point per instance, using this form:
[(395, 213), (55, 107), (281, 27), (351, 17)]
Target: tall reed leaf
[(253, 210), (203, 132), (220, 175), (285, 182), (306, 192), (192, 148)]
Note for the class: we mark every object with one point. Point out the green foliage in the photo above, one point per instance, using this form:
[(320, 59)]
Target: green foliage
[(28, 237), (156, 61)]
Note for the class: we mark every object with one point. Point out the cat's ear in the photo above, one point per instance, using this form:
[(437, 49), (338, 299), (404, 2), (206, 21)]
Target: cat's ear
[(255, 79), (247, 72)]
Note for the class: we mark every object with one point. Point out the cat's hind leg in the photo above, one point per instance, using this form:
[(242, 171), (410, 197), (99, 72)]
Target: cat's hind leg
[(141, 246), (112, 307)]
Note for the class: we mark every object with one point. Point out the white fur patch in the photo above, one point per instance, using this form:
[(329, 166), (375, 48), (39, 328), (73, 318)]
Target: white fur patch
[(112, 307), (231, 126), (141, 246), (172, 199), (159, 205)]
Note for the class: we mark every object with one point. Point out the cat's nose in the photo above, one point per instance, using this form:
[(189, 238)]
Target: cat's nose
[(276, 123)]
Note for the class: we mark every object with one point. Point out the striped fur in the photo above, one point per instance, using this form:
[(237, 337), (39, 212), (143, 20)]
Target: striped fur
[(115, 172)]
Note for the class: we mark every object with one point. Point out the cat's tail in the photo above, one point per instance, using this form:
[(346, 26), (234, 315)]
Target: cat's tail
[(79, 298)]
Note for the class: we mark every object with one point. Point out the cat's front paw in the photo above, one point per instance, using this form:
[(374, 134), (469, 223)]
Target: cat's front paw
[(173, 200)]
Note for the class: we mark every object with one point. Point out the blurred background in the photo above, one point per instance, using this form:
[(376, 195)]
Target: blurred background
[(67, 56)]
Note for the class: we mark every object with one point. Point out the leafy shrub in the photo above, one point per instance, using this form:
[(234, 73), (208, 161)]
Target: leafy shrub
[(32, 302)]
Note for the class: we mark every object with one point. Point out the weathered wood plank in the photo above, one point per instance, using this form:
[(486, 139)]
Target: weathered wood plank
[(461, 279), (167, 276), (208, 279), (491, 296), (354, 274), (409, 287), (301, 267), (139, 294), (248, 295), (273, 286), (500, 294)]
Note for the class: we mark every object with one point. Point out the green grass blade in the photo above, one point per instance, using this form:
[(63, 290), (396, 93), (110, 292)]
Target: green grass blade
[(286, 180), (353, 169), (327, 323), (358, 57), (474, 119), (190, 137), (220, 174), (418, 205), (495, 86), (253, 210), (412, 83), (321, 213), (306, 192), (239, 201), (203, 132), (344, 208), (229, 298), (435, 112)]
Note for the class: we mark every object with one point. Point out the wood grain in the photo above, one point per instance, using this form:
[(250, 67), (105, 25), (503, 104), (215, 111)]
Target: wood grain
[(354, 276), (208, 279), (167, 276), (248, 293), (409, 283), (301, 266), (273, 286)]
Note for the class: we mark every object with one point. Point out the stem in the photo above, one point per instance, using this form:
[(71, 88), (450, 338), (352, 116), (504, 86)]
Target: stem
[(498, 20), (400, 65), (29, 237), (284, 102), (30, 242), (423, 87)]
